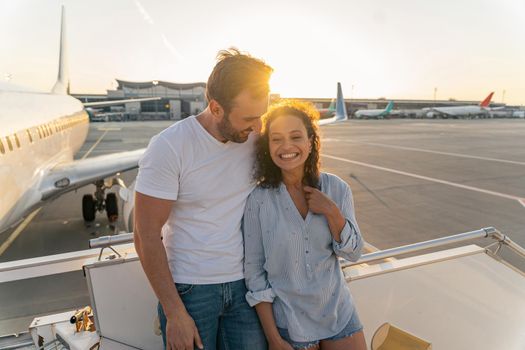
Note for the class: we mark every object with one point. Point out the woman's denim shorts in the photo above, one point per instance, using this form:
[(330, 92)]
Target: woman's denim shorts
[(353, 326)]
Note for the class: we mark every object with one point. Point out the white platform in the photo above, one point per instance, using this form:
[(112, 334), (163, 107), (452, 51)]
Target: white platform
[(457, 299)]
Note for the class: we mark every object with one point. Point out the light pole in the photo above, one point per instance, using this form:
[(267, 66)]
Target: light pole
[(155, 83)]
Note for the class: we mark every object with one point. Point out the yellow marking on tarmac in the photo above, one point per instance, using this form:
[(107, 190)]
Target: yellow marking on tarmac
[(95, 145), (432, 179), (18, 231)]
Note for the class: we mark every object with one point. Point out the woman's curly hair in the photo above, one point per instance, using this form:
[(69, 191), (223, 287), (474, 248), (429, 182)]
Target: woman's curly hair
[(267, 174)]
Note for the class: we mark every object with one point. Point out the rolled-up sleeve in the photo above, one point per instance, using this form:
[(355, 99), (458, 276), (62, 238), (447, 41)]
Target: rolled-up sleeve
[(352, 243), (259, 289)]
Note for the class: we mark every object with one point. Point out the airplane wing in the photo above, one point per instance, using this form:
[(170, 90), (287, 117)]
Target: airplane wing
[(70, 176), (327, 121), (118, 102)]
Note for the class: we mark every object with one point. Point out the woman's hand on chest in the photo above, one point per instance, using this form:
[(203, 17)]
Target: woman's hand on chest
[(318, 202)]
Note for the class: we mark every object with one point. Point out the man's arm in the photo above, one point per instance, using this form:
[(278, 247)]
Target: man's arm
[(150, 215)]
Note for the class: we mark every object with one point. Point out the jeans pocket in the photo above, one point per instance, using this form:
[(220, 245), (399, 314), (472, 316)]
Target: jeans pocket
[(184, 288)]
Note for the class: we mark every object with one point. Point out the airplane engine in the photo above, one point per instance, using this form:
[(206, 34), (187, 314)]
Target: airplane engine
[(431, 115), (128, 199)]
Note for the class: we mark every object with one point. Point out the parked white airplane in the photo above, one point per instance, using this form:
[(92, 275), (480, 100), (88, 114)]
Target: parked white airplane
[(461, 111), (375, 113), (40, 134), (518, 114)]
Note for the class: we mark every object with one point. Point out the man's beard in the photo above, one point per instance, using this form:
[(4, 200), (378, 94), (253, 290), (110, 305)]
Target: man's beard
[(228, 132)]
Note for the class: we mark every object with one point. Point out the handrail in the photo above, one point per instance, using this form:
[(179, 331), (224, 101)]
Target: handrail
[(66, 262), (487, 232), (107, 241)]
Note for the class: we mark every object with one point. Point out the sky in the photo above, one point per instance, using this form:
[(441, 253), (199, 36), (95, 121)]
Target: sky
[(396, 49)]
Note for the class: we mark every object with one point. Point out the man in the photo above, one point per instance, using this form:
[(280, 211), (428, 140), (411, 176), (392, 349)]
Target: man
[(191, 190)]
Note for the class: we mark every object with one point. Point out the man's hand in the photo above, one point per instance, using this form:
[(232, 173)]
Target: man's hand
[(182, 333), (318, 202)]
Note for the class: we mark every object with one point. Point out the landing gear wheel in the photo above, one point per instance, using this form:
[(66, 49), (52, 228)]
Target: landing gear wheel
[(88, 207), (112, 207)]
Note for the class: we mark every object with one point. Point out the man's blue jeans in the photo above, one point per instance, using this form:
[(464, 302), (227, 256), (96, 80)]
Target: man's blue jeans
[(223, 317)]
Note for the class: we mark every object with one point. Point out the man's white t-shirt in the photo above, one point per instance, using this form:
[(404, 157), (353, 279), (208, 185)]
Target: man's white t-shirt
[(209, 182)]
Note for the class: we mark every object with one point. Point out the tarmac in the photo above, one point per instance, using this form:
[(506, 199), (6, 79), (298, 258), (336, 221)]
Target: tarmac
[(412, 180)]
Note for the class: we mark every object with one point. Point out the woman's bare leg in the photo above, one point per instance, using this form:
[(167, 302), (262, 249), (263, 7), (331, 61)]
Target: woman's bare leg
[(354, 342)]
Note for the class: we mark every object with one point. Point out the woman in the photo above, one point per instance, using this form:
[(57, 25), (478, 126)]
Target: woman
[(296, 223)]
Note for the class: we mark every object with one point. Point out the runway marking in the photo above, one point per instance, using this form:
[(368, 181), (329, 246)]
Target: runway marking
[(95, 144), (439, 152), (432, 179), (109, 129), (18, 231)]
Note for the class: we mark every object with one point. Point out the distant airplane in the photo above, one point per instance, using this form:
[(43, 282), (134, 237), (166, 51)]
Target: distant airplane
[(339, 112), (327, 112), (518, 114), (41, 132), (375, 113), (461, 111)]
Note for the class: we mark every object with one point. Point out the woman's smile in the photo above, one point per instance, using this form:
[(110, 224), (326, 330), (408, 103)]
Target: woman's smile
[(288, 156)]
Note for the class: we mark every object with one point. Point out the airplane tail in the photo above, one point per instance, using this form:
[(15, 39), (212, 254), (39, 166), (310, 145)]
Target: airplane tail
[(486, 101), (389, 107), (62, 84), (340, 108), (331, 108)]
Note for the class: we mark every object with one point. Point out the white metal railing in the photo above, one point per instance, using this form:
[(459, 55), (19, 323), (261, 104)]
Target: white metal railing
[(107, 241), (67, 262), (488, 232), (52, 264)]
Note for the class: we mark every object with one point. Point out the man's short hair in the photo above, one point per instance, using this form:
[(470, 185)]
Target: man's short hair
[(235, 72)]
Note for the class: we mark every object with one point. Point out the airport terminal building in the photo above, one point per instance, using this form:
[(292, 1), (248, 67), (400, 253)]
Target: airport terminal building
[(177, 100)]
